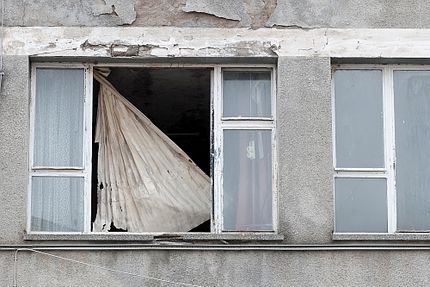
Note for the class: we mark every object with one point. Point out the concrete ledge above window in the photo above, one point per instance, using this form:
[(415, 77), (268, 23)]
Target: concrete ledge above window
[(382, 236), (155, 237)]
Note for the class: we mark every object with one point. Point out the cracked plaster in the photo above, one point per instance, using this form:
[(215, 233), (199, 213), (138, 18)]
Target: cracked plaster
[(351, 14), (70, 13), (124, 10), (254, 14), (232, 10)]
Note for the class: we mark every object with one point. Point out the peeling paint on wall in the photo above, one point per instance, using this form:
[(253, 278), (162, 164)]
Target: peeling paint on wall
[(214, 42), (220, 13), (231, 10)]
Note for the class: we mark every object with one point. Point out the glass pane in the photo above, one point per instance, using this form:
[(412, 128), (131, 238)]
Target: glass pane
[(359, 119), (361, 205), (412, 120), (59, 117), (246, 94), (247, 180), (57, 204)]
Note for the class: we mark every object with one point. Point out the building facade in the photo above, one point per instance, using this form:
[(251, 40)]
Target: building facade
[(346, 132)]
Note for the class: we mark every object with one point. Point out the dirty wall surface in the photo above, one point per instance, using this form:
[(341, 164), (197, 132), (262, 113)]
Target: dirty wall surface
[(215, 268), (221, 13), (303, 39)]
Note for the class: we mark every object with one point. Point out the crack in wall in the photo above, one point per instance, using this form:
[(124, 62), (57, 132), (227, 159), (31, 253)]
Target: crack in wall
[(24, 12), (121, 50), (234, 10), (123, 12)]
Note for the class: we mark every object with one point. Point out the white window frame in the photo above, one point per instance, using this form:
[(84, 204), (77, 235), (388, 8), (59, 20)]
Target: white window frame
[(85, 170), (240, 123), (218, 123), (388, 172)]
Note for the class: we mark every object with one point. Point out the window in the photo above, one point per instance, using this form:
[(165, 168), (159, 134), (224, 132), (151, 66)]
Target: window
[(381, 158), (232, 139)]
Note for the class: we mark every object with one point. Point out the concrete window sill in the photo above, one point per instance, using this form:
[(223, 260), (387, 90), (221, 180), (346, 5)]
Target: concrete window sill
[(154, 237), (381, 236)]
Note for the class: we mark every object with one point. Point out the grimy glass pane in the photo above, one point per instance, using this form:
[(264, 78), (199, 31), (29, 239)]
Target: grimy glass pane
[(412, 124), (57, 204), (59, 117), (247, 180), (359, 119), (361, 205), (246, 94)]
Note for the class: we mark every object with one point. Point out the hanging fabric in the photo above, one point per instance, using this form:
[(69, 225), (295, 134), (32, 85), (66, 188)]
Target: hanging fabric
[(146, 183)]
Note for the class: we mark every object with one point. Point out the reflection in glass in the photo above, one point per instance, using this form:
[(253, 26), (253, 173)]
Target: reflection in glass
[(359, 119), (412, 122), (57, 204), (247, 180), (246, 94), (361, 205), (58, 138)]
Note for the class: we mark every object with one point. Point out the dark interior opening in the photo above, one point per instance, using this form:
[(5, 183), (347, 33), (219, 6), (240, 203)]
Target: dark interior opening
[(177, 101)]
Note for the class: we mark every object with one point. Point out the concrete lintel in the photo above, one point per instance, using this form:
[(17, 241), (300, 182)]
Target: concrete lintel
[(136, 42)]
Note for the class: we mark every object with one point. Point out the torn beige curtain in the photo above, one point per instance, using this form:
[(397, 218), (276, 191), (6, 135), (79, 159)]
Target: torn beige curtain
[(146, 183)]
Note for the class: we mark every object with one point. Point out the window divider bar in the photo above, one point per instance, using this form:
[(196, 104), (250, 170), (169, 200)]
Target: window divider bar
[(64, 173), (31, 141), (269, 119), (87, 147), (56, 168), (333, 144), (218, 150), (248, 125), (341, 169), (389, 139), (360, 175), (275, 186)]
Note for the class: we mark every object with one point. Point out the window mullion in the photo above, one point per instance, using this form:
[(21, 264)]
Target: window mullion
[(389, 139), (247, 125), (31, 142), (218, 152), (88, 118)]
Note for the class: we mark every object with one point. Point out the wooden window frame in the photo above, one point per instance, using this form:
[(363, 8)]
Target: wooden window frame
[(218, 124), (388, 172)]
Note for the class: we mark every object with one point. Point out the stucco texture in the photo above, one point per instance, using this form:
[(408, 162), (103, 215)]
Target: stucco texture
[(14, 134), (351, 14), (209, 269), (305, 156), (221, 13)]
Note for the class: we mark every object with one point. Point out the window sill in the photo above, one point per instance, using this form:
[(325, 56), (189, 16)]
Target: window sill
[(87, 237), (154, 237), (381, 236)]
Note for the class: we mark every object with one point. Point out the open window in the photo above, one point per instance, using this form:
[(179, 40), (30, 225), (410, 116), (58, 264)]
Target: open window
[(213, 124)]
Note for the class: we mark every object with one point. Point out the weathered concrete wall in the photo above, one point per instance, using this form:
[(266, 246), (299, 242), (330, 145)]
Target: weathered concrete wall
[(305, 149), (225, 268), (351, 14), (304, 129), (167, 43), (139, 13), (221, 13), (304, 132), (14, 135)]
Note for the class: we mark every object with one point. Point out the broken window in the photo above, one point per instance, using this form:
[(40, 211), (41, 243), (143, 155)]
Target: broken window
[(152, 149)]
